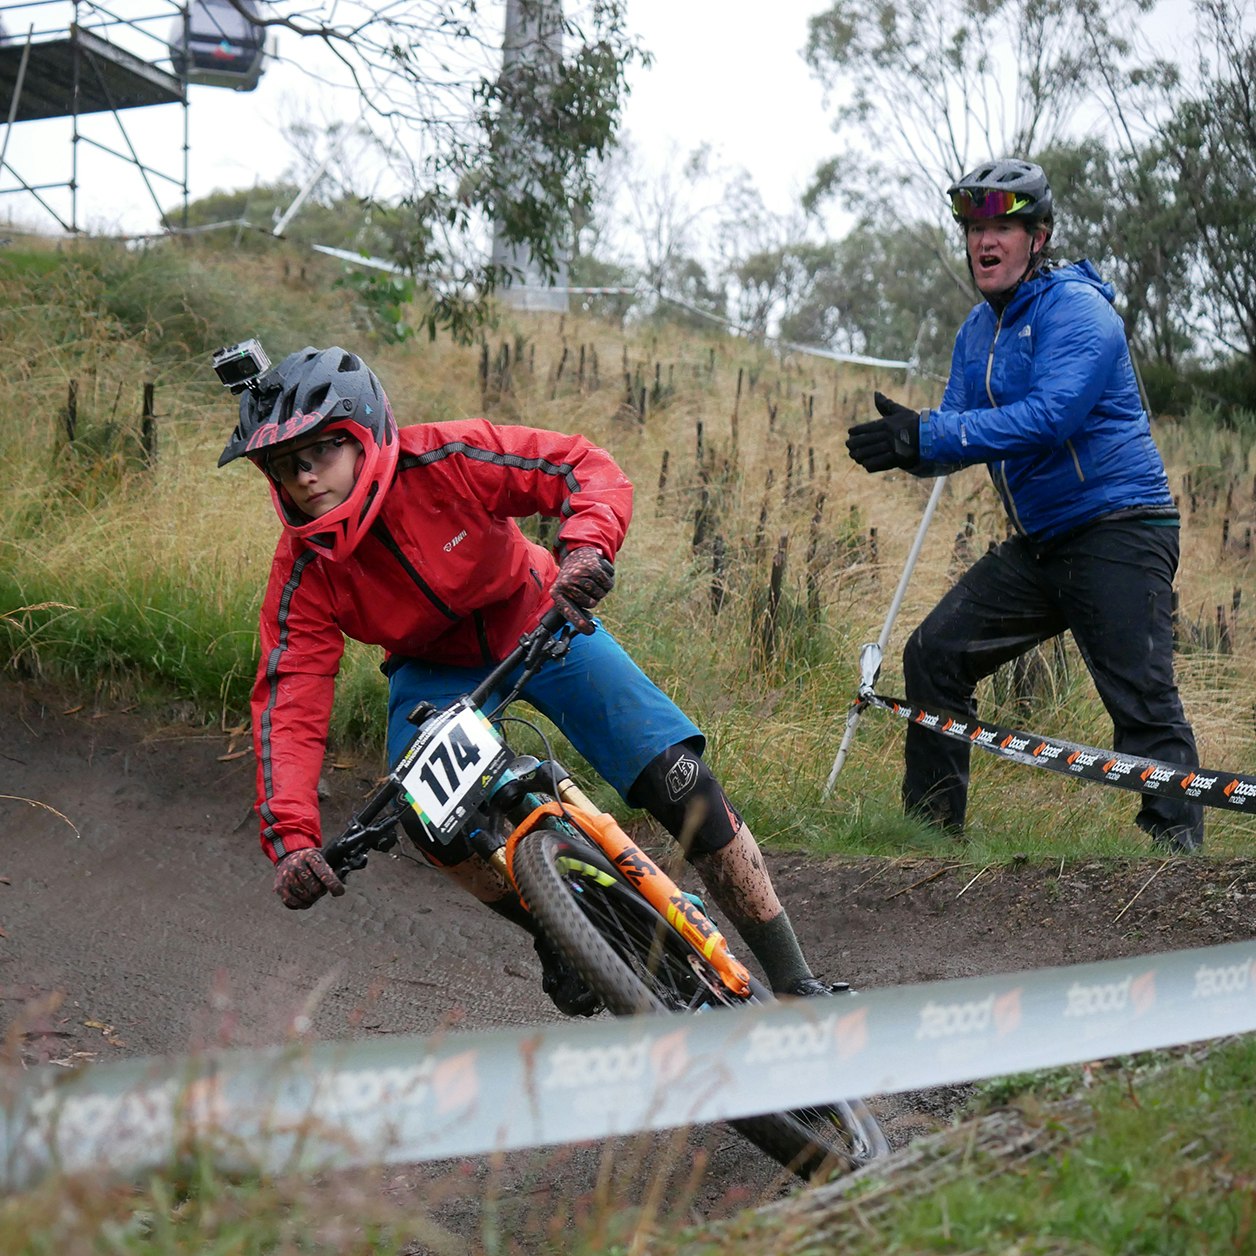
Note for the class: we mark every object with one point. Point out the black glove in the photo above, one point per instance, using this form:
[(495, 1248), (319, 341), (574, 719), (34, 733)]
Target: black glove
[(891, 441), (303, 877), (584, 579)]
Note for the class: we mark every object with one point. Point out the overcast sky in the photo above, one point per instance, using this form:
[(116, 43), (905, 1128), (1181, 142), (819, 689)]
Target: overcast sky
[(722, 74), (726, 72)]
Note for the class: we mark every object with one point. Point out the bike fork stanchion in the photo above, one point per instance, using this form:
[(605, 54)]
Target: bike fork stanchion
[(870, 663)]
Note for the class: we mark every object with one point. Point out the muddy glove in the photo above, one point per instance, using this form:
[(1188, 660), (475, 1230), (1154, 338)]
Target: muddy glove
[(584, 579), (891, 441), (303, 877)]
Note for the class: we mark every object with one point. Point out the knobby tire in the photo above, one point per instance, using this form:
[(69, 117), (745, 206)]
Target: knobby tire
[(637, 962)]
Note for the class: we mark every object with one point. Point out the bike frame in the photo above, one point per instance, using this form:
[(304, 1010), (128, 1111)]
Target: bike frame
[(509, 807), (373, 826), (644, 875)]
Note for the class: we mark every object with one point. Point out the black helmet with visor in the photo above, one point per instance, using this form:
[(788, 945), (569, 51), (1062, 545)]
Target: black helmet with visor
[(332, 393), (1006, 188)]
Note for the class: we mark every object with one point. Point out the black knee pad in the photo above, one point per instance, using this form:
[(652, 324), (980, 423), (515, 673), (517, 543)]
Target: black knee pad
[(680, 792)]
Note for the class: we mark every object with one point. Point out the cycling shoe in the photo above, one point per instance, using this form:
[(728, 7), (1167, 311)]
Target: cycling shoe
[(565, 987), (814, 988)]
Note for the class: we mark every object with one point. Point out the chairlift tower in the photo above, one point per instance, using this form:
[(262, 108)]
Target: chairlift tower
[(533, 33), (106, 61)]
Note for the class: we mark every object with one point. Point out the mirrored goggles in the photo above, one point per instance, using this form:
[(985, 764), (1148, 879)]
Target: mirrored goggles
[(317, 456), (986, 203)]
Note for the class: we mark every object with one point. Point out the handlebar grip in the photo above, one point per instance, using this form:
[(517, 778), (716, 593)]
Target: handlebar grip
[(552, 620)]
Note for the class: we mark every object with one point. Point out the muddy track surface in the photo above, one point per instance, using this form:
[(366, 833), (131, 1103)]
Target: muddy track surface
[(137, 918)]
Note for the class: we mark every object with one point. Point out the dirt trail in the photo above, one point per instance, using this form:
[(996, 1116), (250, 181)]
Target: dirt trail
[(134, 895)]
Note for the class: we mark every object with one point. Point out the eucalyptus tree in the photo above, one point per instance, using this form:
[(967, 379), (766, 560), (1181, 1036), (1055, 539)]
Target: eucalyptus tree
[(924, 92), (448, 122), (1210, 146), (1122, 208)]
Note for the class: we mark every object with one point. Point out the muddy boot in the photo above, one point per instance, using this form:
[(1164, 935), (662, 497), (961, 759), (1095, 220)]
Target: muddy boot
[(563, 984)]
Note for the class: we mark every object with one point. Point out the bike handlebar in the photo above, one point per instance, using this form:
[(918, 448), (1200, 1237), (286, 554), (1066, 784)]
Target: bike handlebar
[(528, 651), (347, 852)]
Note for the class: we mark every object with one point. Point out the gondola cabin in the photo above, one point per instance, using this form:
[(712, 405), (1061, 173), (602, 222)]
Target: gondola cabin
[(218, 44)]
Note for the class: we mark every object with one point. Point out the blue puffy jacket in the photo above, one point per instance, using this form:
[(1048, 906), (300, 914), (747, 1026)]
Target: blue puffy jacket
[(1045, 394)]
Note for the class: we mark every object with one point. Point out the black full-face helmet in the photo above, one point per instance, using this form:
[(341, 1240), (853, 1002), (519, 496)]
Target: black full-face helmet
[(320, 390), (1006, 188)]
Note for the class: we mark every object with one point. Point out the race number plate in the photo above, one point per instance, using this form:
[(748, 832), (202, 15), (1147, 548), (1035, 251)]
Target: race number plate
[(449, 768)]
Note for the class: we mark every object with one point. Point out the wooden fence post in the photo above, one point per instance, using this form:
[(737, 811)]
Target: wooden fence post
[(813, 547), (718, 586), (558, 374), (774, 596), (148, 428), (71, 410)]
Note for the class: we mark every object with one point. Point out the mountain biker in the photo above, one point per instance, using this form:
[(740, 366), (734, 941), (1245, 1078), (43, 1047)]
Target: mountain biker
[(1042, 390), (406, 538)]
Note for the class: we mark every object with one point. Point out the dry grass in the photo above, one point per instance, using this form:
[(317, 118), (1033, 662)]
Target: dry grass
[(751, 444)]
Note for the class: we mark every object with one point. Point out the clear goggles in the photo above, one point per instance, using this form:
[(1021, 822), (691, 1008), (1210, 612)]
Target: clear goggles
[(316, 456)]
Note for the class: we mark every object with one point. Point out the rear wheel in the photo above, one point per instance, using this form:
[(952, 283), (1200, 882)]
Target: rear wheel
[(637, 962)]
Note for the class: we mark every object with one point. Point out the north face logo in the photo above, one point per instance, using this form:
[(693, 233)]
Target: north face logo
[(680, 777)]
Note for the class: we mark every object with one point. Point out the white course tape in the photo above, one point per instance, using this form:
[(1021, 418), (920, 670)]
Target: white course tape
[(641, 293), (336, 1104)]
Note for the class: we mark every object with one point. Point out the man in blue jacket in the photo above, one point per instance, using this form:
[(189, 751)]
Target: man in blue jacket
[(1042, 390)]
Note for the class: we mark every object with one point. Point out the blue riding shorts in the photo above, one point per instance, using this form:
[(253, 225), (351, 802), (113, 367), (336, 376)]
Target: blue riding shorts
[(597, 697)]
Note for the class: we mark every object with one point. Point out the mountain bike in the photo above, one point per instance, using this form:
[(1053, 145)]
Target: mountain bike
[(639, 941)]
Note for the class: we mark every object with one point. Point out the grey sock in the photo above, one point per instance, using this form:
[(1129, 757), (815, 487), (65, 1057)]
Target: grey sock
[(775, 946)]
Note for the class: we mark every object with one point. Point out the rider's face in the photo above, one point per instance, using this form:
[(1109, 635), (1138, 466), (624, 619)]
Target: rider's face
[(319, 473), (999, 250)]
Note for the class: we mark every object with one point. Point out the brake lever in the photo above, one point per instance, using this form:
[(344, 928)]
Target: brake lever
[(352, 850)]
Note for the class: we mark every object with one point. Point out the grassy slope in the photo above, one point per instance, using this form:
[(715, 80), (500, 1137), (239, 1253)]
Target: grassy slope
[(154, 577), (144, 582)]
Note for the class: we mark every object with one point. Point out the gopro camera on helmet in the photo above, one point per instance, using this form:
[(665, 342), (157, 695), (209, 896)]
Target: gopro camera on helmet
[(240, 366)]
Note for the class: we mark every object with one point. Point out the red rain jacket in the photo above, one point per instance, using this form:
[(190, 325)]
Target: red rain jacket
[(444, 575)]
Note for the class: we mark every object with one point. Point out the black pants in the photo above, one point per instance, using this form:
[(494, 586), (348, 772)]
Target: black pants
[(1111, 586)]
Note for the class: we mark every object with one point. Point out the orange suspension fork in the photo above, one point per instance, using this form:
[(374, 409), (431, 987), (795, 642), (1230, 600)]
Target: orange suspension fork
[(645, 876)]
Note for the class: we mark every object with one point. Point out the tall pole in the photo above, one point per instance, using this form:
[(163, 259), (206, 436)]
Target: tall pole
[(17, 95), (533, 34), (870, 655)]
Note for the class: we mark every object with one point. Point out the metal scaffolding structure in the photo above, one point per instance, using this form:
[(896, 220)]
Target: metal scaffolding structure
[(90, 62)]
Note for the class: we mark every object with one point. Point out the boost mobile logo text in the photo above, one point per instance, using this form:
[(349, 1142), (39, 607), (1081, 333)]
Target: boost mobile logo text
[(575, 1068), (948, 1020), (1222, 979), (1114, 769), (1239, 791), (771, 1044), (1194, 784), (1101, 998), (1157, 776), (368, 1090)]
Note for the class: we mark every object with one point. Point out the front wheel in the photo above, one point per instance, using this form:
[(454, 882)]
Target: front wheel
[(620, 944), (637, 962)]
